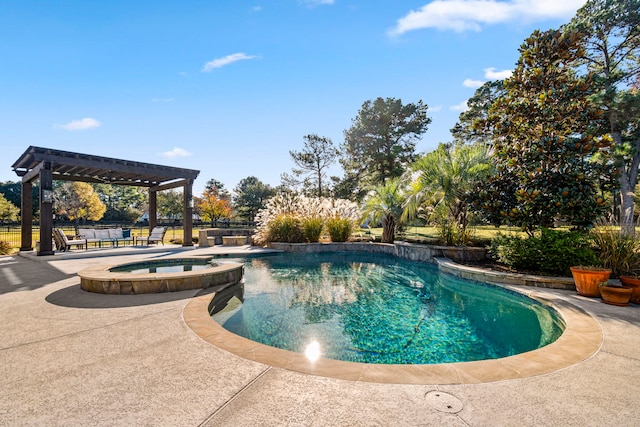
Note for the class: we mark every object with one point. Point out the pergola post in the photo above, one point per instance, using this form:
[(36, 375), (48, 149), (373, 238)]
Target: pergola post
[(187, 239), (153, 208), (26, 216), (46, 210)]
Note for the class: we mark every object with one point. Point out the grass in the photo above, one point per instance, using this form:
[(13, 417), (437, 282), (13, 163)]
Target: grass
[(421, 234)]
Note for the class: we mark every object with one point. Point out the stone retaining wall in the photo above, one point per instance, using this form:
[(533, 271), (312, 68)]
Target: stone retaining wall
[(410, 251)]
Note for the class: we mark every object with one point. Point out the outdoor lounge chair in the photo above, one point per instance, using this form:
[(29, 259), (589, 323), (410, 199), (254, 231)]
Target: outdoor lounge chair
[(63, 243), (156, 235)]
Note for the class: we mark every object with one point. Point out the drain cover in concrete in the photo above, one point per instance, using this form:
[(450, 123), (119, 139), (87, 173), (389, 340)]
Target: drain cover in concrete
[(443, 402)]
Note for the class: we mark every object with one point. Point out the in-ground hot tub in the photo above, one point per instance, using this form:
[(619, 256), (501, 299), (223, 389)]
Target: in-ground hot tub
[(159, 275)]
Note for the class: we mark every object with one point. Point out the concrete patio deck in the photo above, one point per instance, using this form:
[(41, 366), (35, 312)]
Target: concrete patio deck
[(69, 357)]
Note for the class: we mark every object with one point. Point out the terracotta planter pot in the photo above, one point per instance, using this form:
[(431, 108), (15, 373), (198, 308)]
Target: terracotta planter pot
[(588, 280), (615, 294), (632, 282)]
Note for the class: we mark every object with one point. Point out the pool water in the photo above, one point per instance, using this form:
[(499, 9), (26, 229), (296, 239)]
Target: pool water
[(163, 266), (370, 308)]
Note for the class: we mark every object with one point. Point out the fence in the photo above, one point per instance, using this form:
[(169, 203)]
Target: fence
[(12, 232)]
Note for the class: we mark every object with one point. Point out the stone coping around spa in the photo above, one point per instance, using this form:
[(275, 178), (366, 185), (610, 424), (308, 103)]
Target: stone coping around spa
[(581, 339), (100, 276)]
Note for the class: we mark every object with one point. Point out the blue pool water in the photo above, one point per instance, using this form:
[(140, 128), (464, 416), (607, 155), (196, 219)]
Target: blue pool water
[(370, 308), (164, 266)]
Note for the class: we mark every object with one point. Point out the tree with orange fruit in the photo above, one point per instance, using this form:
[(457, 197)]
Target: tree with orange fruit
[(544, 137)]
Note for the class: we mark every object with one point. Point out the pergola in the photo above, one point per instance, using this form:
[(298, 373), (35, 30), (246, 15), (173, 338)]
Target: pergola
[(47, 165)]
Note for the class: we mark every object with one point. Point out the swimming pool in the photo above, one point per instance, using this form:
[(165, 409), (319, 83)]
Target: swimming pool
[(371, 308)]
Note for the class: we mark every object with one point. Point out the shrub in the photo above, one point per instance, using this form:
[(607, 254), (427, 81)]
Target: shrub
[(312, 228), (617, 251), (339, 229), (450, 234), (269, 221), (286, 228), (5, 248), (549, 251)]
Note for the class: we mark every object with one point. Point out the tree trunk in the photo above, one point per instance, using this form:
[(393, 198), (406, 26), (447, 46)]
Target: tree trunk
[(628, 181), (388, 229)]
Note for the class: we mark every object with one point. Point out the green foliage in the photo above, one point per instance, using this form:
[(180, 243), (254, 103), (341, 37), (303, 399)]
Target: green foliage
[(8, 211), (5, 248), (450, 234), (339, 229), (465, 131), (616, 250), (12, 191), (610, 31), (543, 132), (312, 228), (381, 141), (440, 181), (384, 204), (251, 195), (170, 204), (548, 251), (123, 203), (317, 155), (217, 189), (286, 228)]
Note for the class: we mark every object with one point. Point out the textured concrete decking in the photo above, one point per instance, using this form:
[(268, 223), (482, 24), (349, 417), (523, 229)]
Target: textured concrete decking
[(68, 357)]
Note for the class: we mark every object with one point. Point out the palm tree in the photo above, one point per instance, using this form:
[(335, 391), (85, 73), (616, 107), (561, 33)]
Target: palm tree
[(443, 177), (384, 203)]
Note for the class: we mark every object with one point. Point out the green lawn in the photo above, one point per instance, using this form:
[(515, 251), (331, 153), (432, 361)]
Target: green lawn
[(430, 234)]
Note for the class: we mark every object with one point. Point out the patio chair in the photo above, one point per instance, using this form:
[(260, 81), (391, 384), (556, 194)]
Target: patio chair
[(63, 243), (156, 235)]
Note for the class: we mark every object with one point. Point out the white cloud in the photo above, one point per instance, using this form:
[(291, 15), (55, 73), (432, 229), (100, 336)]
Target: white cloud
[(492, 74), (460, 107), (472, 83), (472, 15), (176, 152), (82, 124), (256, 8), (229, 59), (435, 109)]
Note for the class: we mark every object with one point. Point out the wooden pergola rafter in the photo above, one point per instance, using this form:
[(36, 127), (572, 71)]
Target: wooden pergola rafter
[(47, 165)]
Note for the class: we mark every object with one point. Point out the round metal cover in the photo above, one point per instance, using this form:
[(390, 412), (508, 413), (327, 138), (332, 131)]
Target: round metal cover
[(443, 402)]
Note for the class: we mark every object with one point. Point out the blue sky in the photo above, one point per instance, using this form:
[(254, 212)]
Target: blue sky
[(229, 87)]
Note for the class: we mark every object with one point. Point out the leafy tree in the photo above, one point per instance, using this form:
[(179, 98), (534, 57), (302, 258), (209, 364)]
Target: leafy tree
[(213, 208), (78, 200), (543, 140), (611, 41), (217, 189), (317, 155), (12, 191), (251, 195), (8, 211), (381, 141), (441, 181), (384, 204), (123, 202), (170, 204), (466, 131)]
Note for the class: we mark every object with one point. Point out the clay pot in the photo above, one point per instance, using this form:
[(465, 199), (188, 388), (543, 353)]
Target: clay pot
[(588, 279), (632, 282), (615, 294)]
